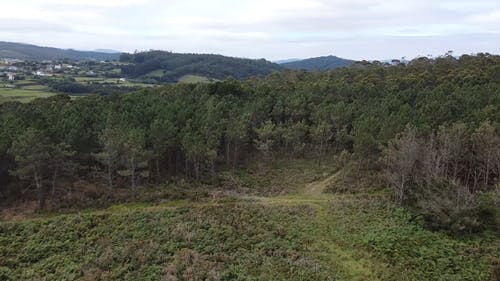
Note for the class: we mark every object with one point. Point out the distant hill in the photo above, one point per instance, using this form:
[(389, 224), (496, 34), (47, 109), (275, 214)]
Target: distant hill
[(319, 63), (170, 67), (32, 52)]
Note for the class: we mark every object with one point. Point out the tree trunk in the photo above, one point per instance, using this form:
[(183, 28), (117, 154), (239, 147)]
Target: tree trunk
[(402, 190), (157, 162), (54, 178), (235, 156), (320, 153), (132, 175), (228, 144), (110, 176), (487, 170), (196, 169), (40, 193)]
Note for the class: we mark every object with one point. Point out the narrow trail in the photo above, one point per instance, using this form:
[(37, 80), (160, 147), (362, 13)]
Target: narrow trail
[(331, 251), (311, 193), (316, 189)]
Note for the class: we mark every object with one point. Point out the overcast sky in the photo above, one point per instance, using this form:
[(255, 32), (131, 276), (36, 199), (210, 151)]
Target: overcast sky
[(272, 29)]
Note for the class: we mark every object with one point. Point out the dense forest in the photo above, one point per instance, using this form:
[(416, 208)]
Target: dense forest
[(68, 85), (430, 127), (173, 66)]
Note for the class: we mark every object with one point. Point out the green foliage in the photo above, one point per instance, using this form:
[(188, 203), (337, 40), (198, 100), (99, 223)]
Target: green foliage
[(196, 130), (71, 86), (32, 153), (360, 237), (409, 251), (233, 242), (436, 120), (177, 66), (68, 86)]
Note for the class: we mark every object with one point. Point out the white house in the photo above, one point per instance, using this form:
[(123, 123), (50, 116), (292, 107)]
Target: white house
[(41, 73)]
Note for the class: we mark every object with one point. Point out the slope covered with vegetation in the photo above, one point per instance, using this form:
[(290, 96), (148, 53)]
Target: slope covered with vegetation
[(170, 67), (399, 182), (307, 235), (37, 53), (319, 63)]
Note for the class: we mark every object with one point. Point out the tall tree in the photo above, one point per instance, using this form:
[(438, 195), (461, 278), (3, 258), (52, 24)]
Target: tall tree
[(60, 163), (32, 153), (401, 159), (266, 139), (236, 134), (487, 148), (135, 156), (111, 143), (163, 133)]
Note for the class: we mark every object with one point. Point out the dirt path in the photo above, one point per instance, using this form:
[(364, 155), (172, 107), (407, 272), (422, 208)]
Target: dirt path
[(317, 188)]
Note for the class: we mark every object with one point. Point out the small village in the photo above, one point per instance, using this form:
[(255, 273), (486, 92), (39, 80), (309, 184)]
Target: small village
[(26, 80), (16, 69)]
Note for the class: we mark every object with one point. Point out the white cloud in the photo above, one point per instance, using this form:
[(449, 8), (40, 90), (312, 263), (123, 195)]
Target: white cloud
[(259, 28)]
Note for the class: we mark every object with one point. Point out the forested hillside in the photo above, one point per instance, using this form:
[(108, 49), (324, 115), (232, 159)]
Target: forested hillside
[(444, 110), (431, 123), (37, 53), (170, 67), (412, 154), (319, 63)]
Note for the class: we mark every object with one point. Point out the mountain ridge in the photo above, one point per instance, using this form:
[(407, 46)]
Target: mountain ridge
[(318, 63), (23, 51)]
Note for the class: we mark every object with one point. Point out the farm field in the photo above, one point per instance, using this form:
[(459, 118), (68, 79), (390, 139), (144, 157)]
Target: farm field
[(29, 89), (24, 94), (195, 79)]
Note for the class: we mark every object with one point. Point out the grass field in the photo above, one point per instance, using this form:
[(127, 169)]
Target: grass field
[(194, 79), (36, 87), (22, 95), (302, 234), (101, 80), (89, 79), (23, 91), (155, 73)]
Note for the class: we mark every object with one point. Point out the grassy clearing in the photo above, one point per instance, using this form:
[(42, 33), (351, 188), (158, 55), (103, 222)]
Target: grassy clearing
[(87, 79), (155, 73), (302, 234), (195, 79), (22, 95), (100, 80), (36, 88), (23, 91), (114, 81)]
